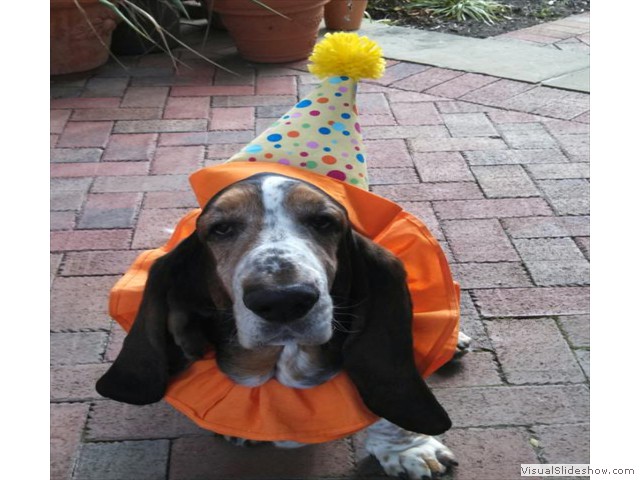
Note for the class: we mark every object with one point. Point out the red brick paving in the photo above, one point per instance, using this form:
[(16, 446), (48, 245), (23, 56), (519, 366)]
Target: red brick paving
[(239, 118), (186, 107), (497, 169), (88, 114), (135, 146), (205, 458), (442, 167), (172, 160), (67, 424), (85, 134), (533, 351), (490, 453)]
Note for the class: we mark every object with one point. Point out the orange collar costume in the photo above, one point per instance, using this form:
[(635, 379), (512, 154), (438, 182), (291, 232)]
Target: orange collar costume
[(334, 409)]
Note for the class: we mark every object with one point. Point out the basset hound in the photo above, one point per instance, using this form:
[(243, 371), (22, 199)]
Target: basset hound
[(266, 280)]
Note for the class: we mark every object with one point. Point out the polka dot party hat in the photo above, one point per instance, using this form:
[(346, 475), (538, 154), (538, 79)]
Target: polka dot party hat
[(321, 132)]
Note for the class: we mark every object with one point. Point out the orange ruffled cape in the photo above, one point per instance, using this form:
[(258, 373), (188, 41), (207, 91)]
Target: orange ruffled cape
[(334, 409)]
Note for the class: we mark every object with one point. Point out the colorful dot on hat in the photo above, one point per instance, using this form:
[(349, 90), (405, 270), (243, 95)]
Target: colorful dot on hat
[(332, 107), (293, 134), (357, 127), (252, 159), (337, 174), (360, 157), (345, 115), (296, 115), (314, 113), (354, 181), (277, 145), (346, 133), (268, 155), (329, 159), (313, 144), (338, 94), (304, 154), (284, 161), (324, 130), (322, 100), (253, 148), (326, 149), (274, 137), (343, 89), (338, 126), (348, 166), (312, 164), (305, 125), (337, 79), (304, 103)]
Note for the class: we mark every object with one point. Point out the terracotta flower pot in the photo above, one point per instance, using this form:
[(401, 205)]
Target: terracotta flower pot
[(262, 36), (74, 44), (345, 15)]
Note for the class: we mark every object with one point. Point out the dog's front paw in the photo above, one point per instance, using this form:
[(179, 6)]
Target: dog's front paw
[(463, 346), (242, 442), (426, 459)]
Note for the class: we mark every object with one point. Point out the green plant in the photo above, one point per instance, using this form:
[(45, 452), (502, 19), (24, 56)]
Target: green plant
[(139, 20), (485, 11)]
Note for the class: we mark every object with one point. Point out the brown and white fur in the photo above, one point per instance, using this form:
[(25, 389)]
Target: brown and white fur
[(277, 281)]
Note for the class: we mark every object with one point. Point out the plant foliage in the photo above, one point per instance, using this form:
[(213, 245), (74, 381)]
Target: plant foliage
[(486, 11)]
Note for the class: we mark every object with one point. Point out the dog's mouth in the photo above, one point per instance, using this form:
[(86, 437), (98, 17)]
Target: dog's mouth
[(287, 335), (313, 328)]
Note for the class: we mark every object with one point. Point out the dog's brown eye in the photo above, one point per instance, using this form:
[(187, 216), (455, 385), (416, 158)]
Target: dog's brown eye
[(223, 230), (323, 223)]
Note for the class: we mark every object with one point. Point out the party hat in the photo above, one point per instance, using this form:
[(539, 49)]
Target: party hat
[(321, 132)]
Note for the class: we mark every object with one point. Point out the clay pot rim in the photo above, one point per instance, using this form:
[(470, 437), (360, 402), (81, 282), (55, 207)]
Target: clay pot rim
[(256, 10), (71, 3)]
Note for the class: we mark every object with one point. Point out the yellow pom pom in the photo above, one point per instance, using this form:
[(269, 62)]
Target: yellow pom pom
[(347, 54)]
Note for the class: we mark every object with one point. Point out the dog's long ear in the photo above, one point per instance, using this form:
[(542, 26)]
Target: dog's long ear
[(150, 353), (378, 354)]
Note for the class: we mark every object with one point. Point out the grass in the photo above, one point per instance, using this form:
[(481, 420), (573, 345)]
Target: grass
[(485, 11)]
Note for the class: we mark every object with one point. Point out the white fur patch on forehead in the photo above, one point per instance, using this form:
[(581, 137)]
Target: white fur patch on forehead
[(273, 191), (277, 220)]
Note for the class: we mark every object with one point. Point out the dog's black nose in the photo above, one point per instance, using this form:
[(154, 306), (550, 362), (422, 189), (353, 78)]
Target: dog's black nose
[(281, 304)]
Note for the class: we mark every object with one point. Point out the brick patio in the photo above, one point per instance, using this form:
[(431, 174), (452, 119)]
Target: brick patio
[(497, 169)]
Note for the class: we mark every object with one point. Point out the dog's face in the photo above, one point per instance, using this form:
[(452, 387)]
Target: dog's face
[(260, 280), (274, 241)]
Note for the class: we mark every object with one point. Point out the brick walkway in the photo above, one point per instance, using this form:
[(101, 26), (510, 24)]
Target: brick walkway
[(571, 33), (498, 170)]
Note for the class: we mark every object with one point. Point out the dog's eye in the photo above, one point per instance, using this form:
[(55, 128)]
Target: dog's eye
[(323, 223), (223, 229)]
